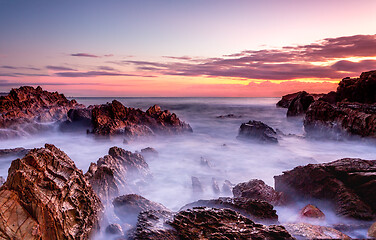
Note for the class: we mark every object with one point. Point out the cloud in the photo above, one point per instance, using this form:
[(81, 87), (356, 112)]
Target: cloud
[(91, 74), (23, 74), (84, 55), (106, 68), (349, 66), (15, 68), (59, 68), (179, 58)]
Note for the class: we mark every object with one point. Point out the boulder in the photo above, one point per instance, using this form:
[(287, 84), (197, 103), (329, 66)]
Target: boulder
[(119, 171), (114, 118), (347, 183), (257, 189), (259, 131), (211, 223), (311, 211), (287, 99), (254, 209), (299, 104), (47, 197), (309, 231)]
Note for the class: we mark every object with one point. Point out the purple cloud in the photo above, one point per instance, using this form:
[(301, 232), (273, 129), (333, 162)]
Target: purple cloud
[(59, 68), (91, 74), (84, 55)]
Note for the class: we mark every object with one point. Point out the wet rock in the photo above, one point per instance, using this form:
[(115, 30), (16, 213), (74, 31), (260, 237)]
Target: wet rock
[(25, 106), (257, 189), (47, 197), (227, 187), (311, 211), (348, 183), (299, 104), (20, 152), (78, 118), (113, 118), (127, 207), (209, 223), (149, 152), (215, 186), (372, 231), (119, 171), (229, 116), (196, 185), (114, 229), (309, 231), (253, 209), (330, 97), (287, 99), (256, 130)]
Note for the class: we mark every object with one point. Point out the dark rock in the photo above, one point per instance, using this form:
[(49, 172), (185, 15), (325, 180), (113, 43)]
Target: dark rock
[(20, 152), (330, 97), (229, 116), (299, 104), (78, 118), (196, 185), (347, 183), (287, 99), (2, 181), (256, 130), (114, 118), (208, 223), (309, 231), (127, 207), (47, 197), (253, 209), (257, 189), (114, 229), (119, 171), (149, 152), (311, 211)]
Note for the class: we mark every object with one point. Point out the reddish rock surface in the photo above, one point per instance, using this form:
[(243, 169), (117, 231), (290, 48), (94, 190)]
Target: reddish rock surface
[(286, 100), (258, 131), (47, 197), (115, 118), (311, 211), (257, 189), (299, 104), (348, 183), (118, 171), (309, 231)]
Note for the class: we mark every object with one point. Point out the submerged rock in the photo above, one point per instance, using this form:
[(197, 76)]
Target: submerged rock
[(211, 223), (348, 183), (20, 151), (311, 211), (257, 189), (299, 104), (309, 231), (256, 130), (47, 197), (149, 152), (114, 229), (230, 115)]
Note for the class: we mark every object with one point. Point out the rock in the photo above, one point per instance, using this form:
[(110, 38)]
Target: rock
[(2, 181), (153, 225), (127, 207), (330, 97), (361, 90), (47, 197), (256, 130), (227, 187), (343, 119), (257, 189), (229, 116), (311, 211), (287, 99), (215, 186), (196, 185), (114, 229), (24, 108), (309, 231), (205, 162), (253, 209), (211, 223), (149, 152), (299, 104), (20, 152), (372, 231), (78, 118), (348, 183), (119, 171), (113, 118)]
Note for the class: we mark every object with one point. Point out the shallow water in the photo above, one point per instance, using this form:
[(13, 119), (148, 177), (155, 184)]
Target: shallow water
[(213, 139)]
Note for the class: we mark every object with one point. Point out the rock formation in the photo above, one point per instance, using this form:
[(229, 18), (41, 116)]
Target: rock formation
[(259, 131), (299, 104), (20, 152), (309, 231), (310, 211), (47, 197)]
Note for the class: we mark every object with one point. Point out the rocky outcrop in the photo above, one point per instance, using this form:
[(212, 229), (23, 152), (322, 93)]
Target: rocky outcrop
[(114, 229), (287, 99), (309, 231), (299, 104), (119, 171), (310, 211), (211, 223), (113, 118), (254, 209), (25, 107), (257, 189), (20, 152), (258, 131), (47, 197), (78, 118), (348, 183)]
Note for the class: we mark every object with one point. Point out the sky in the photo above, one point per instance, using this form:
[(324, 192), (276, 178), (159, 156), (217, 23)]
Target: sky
[(185, 48)]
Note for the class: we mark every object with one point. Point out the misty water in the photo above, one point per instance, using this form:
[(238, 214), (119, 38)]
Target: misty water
[(213, 139)]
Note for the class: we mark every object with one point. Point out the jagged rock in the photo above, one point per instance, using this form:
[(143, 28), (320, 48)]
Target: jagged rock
[(372, 231), (78, 118), (299, 104), (286, 100), (209, 223), (253, 209), (47, 197), (257, 189), (215, 186), (114, 118), (24, 108), (348, 183), (309, 231), (127, 207), (311, 211), (20, 152), (196, 185), (116, 172), (227, 187), (114, 229), (256, 130)]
